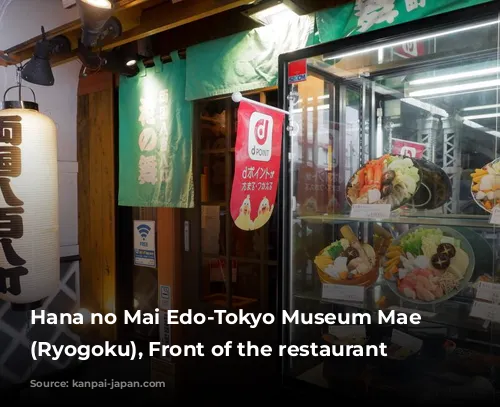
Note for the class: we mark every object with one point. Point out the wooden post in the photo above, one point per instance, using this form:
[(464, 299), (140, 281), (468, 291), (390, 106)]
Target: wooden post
[(97, 196), (169, 253)]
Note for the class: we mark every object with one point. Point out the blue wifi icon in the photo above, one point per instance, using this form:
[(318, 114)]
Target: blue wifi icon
[(144, 231)]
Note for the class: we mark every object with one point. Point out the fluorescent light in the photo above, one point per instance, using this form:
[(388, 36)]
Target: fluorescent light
[(416, 39), (274, 14), (473, 125), (426, 106), (451, 77), (455, 88), (482, 116), (477, 126), (472, 108), (311, 108), (99, 3)]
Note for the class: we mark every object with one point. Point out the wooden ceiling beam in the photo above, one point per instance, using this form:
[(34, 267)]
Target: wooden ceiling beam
[(211, 28), (128, 11), (139, 18), (168, 16), (221, 25)]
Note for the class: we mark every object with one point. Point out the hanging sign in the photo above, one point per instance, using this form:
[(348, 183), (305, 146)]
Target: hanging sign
[(362, 16), (257, 165), (408, 148), (144, 243), (29, 229)]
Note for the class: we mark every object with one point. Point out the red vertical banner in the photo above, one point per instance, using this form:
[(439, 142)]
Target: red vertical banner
[(257, 165)]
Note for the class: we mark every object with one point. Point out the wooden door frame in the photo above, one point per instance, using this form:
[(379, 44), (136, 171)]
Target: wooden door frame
[(192, 288)]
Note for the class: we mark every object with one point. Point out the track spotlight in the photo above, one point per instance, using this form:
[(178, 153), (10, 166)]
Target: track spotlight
[(97, 21), (38, 69), (117, 61)]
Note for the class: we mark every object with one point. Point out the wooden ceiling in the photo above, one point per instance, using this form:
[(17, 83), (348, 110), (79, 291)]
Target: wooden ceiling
[(171, 25)]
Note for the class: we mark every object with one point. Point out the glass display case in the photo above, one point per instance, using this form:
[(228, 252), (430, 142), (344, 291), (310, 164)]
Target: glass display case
[(391, 180)]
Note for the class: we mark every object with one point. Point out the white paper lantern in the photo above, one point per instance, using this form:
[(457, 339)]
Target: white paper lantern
[(29, 224)]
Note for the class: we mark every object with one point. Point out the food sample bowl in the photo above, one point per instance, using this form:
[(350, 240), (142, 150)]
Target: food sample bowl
[(464, 245), (435, 189), (404, 202), (472, 184), (367, 279)]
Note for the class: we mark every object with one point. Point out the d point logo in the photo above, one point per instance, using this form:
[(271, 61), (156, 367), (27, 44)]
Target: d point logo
[(260, 137), (409, 152)]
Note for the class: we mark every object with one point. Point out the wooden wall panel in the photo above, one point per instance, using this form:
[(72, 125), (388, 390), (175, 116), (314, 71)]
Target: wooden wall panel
[(97, 196)]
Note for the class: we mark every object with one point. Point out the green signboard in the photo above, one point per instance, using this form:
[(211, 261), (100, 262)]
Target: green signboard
[(155, 142), (368, 15)]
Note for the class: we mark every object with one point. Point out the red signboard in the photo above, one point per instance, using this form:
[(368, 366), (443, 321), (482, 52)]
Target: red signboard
[(408, 148), (297, 71), (258, 158)]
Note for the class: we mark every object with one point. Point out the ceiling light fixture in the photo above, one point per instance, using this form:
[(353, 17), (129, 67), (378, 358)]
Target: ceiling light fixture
[(415, 39), (117, 60), (105, 4), (274, 11), (485, 107), (455, 88), (38, 69), (97, 21), (482, 116), (456, 76)]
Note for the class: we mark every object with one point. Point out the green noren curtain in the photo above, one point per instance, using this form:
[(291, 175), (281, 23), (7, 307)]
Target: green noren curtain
[(155, 142), (244, 61), (249, 60)]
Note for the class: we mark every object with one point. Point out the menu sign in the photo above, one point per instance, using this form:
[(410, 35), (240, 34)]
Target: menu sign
[(488, 292), (371, 211), (343, 292)]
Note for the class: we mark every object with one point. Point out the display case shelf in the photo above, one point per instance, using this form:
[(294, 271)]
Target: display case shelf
[(453, 313), (479, 222)]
